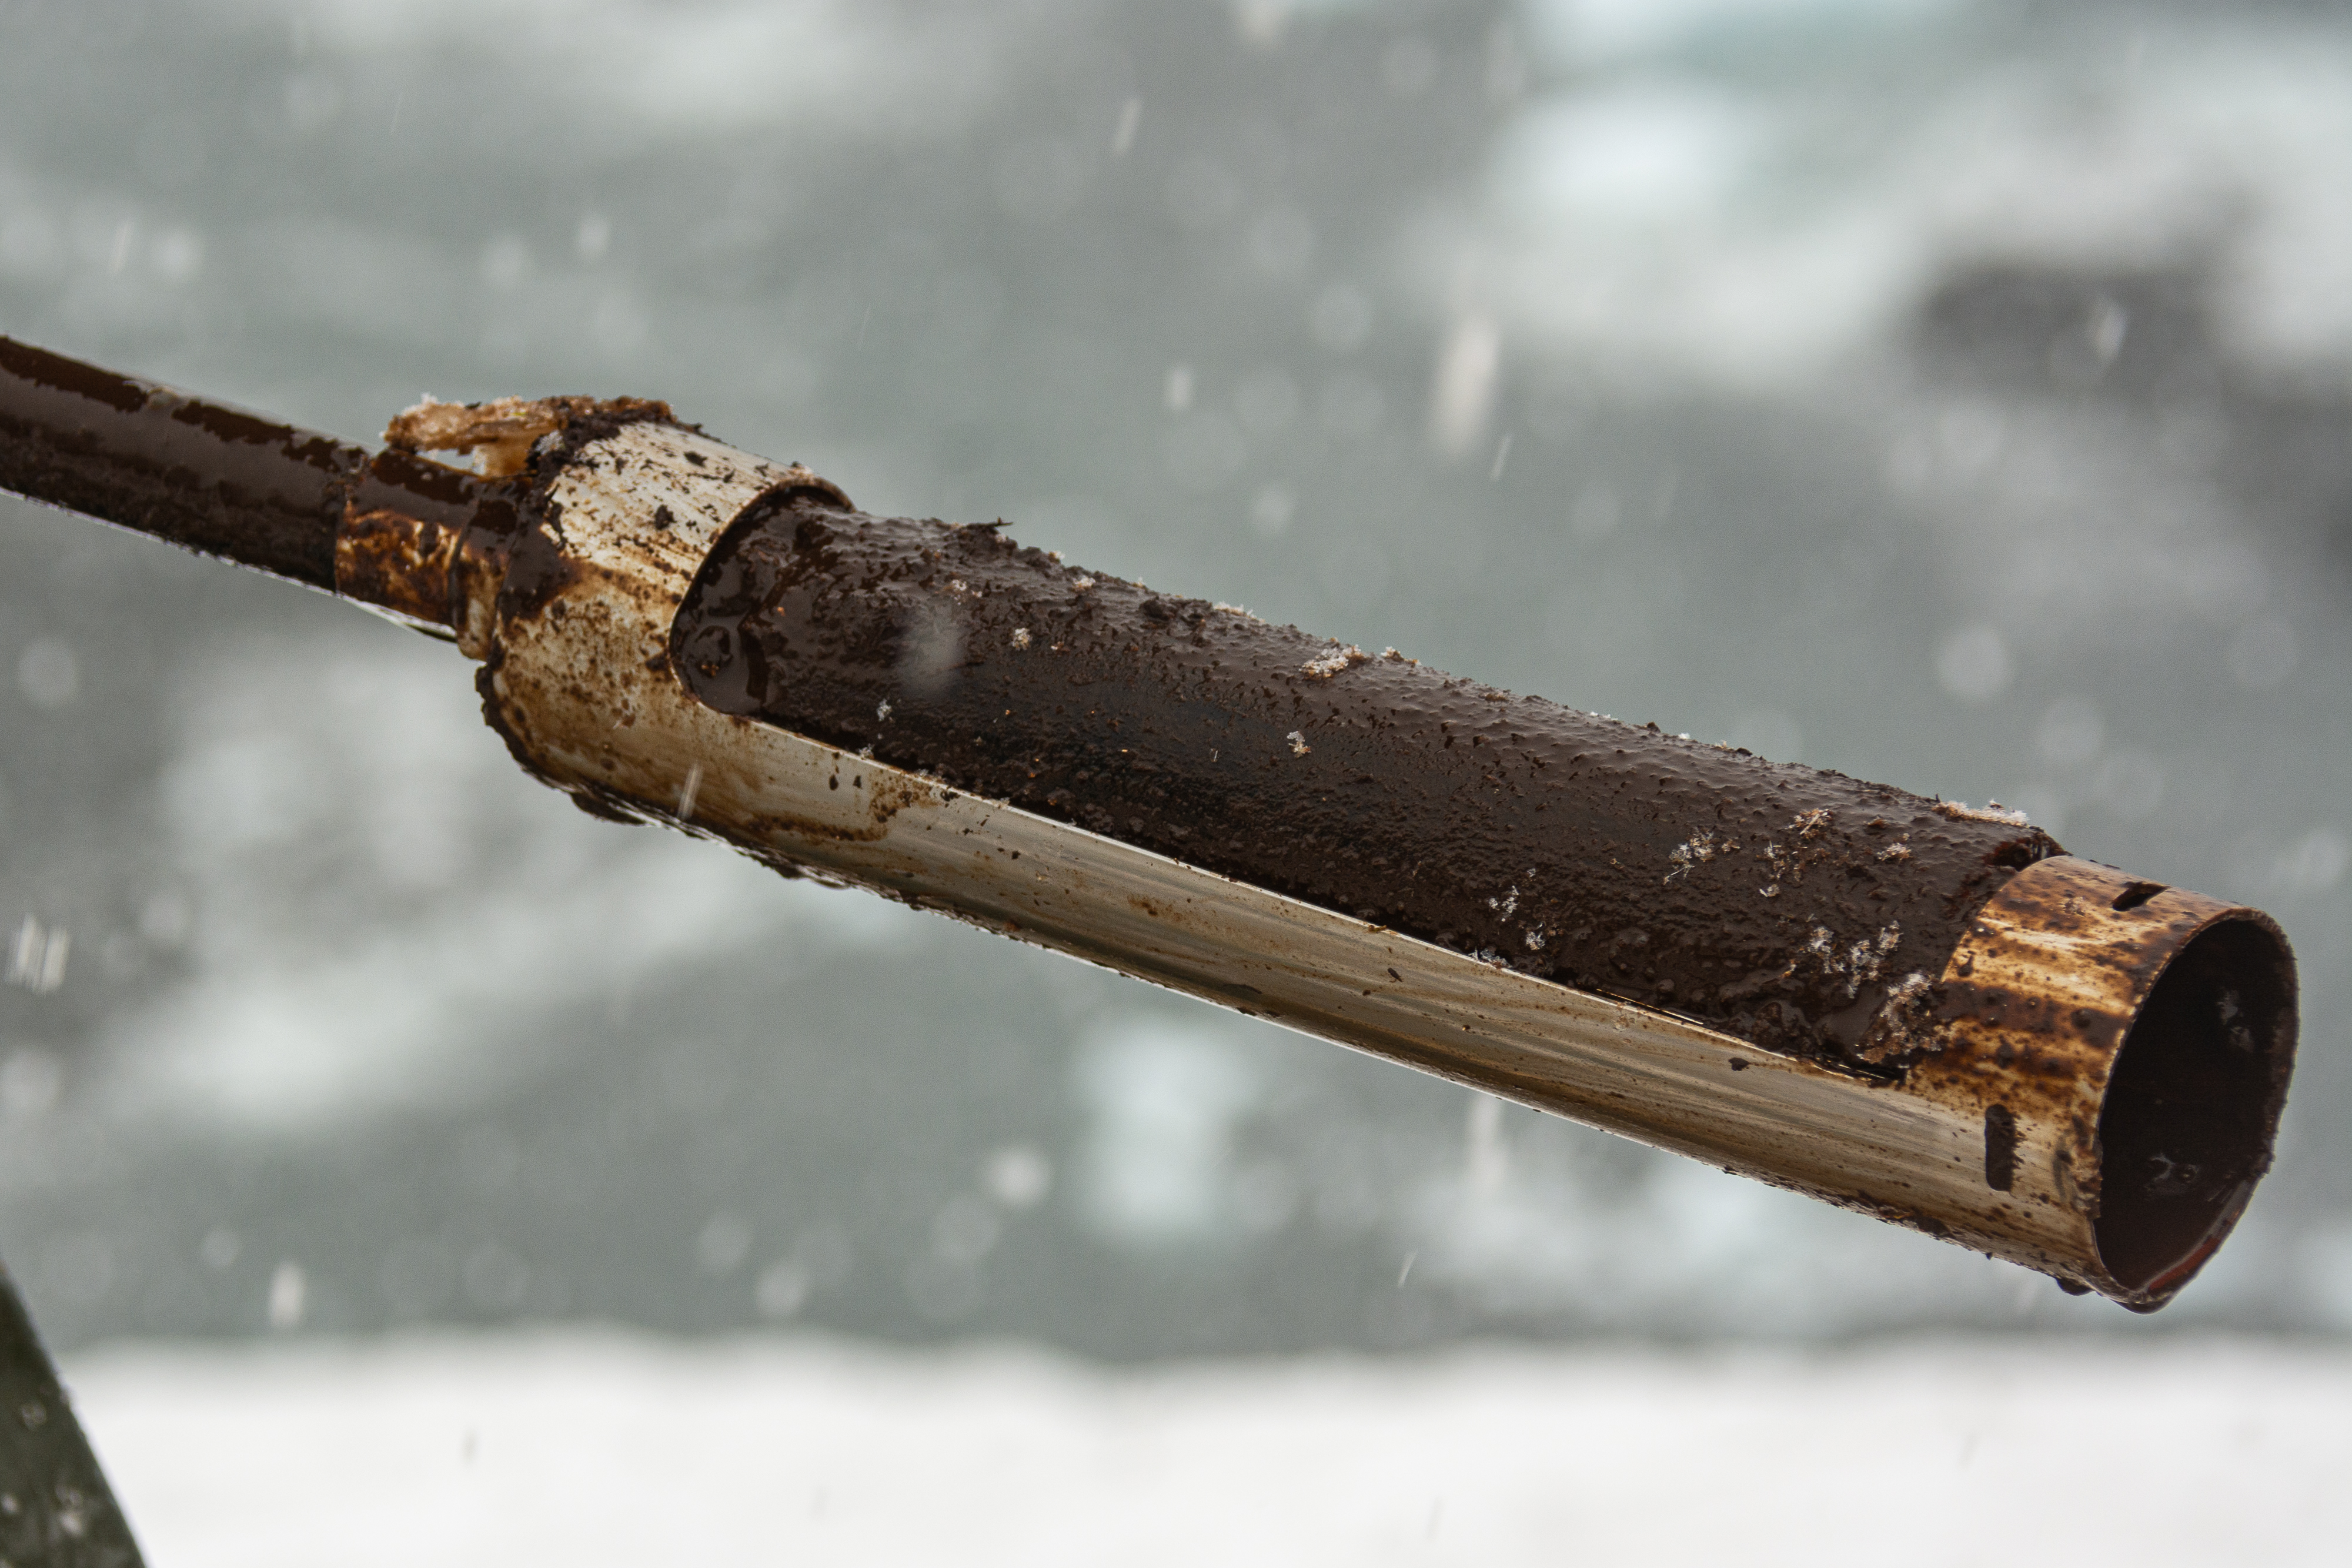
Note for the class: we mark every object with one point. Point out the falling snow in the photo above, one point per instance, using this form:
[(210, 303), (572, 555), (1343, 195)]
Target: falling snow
[(36, 959)]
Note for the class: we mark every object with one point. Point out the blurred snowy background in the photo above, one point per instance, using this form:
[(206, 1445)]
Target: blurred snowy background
[(1952, 393)]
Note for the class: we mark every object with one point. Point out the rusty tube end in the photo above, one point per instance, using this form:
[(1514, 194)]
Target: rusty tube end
[(2192, 1106), (2124, 1049)]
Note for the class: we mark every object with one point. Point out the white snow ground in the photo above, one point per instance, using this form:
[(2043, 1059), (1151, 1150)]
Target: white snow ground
[(585, 1449)]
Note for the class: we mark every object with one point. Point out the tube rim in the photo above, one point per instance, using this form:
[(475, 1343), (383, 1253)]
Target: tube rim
[(2031, 1019)]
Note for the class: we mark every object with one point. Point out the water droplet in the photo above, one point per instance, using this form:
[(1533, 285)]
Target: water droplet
[(2106, 326), (288, 1296), (1462, 394), (36, 958), (1018, 1175), (1487, 1158)]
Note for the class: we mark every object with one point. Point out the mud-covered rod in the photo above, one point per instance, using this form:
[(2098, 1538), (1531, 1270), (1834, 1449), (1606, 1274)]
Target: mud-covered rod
[(213, 479), (1900, 1005)]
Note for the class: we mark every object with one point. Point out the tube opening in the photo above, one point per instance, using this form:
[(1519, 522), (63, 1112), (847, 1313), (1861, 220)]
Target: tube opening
[(2193, 1103)]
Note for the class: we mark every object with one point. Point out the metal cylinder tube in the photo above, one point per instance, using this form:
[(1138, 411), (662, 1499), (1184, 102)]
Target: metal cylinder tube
[(1904, 1007)]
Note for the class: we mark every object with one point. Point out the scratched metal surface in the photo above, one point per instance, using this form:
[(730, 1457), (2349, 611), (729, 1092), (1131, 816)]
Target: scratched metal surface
[(1951, 396)]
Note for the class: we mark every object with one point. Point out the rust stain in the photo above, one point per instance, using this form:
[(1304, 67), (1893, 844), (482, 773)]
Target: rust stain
[(2144, 1034), (429, 542), (503, 430), (400, 562)]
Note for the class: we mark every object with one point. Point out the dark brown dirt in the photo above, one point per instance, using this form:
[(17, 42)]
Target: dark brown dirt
[(1774, 900)]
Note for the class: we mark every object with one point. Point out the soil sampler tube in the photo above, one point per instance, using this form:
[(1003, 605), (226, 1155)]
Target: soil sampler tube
[(1928, 1013)]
